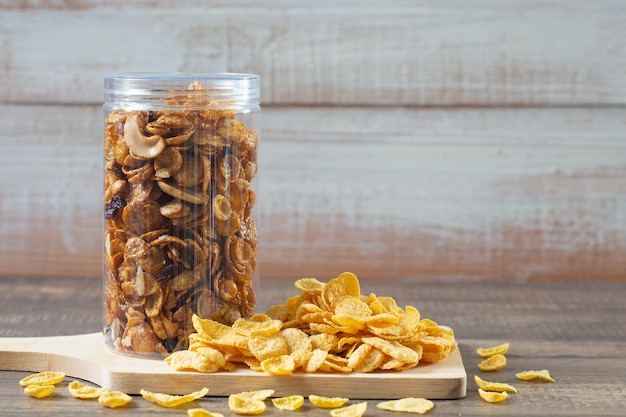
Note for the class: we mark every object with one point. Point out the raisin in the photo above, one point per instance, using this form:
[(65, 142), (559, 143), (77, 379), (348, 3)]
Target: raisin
[(170, 271), (114, 207)]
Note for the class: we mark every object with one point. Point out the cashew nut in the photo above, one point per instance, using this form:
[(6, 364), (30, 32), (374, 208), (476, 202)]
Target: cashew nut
[(139, 144)]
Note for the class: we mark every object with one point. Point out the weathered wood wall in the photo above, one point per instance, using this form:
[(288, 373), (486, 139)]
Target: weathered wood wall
[(427, 139)]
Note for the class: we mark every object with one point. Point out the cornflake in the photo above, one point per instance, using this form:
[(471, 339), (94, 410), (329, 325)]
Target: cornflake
[(354, 410), (43, 378), (114, 399), (290, 403), (491, 351), (493, 386), (327, 402), (408, 405), (542, 375), (39, 391), (81, 391), (493, 363), (492, 397), (201, 412), (240, 404), (166, 400)]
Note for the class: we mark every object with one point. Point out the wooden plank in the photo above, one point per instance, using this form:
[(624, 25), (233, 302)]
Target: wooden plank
[(499, 194), (384, 53)]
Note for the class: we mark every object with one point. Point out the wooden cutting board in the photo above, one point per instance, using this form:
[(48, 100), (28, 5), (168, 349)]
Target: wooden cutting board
[(86, 357)]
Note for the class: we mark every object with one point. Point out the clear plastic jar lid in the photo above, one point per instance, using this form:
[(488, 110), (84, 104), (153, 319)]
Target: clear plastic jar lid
[(227, 90)]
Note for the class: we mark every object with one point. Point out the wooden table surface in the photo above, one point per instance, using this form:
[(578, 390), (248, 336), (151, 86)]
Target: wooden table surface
[(577, 331)]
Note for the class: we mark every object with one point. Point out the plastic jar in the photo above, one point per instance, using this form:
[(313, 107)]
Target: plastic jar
[(180, 219)]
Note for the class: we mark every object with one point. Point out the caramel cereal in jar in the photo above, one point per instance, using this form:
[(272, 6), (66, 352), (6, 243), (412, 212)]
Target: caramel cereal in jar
[(180, 216)]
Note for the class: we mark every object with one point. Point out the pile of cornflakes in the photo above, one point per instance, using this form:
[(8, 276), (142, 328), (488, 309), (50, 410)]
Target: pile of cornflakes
[(329, 327), (180, 236)]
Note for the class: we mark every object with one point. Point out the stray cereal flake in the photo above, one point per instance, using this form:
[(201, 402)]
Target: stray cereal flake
[(201, 412), (43, 378), (245, 405), (288, 403), (114, 399), (493, 386), (542, 375), (488, 352), (492, 397), (408, 405), (81, 391), (493, 363), (354, 410), (169, 401), (327, 402), (39, 391)]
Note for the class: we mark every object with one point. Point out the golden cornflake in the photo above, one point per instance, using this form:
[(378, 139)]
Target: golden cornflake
[(495, 350), (493, 386), (43, 378), (167, 400), (79, 390), (288, 403), (542, 375), (354, 410), (39, 391), (408, 405), (278, 365), (188, 360), (492, 397), (327, 402), (256, 395), (243, 405), (201, 412), (493, 363), (114, 399)]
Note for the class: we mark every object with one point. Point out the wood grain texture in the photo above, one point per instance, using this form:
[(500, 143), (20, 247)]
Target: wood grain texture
[(499, 194), (379, 53), (574, 330)]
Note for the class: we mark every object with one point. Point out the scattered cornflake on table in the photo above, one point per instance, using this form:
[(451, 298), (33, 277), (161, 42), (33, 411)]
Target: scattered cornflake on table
[(492, 397), (542, 375), (493, 363), (354, 410), (493, 386), (490, 351), (167, 400), (290, 403), (408, 405), (114, 399), (43, 378), (39, 391)]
